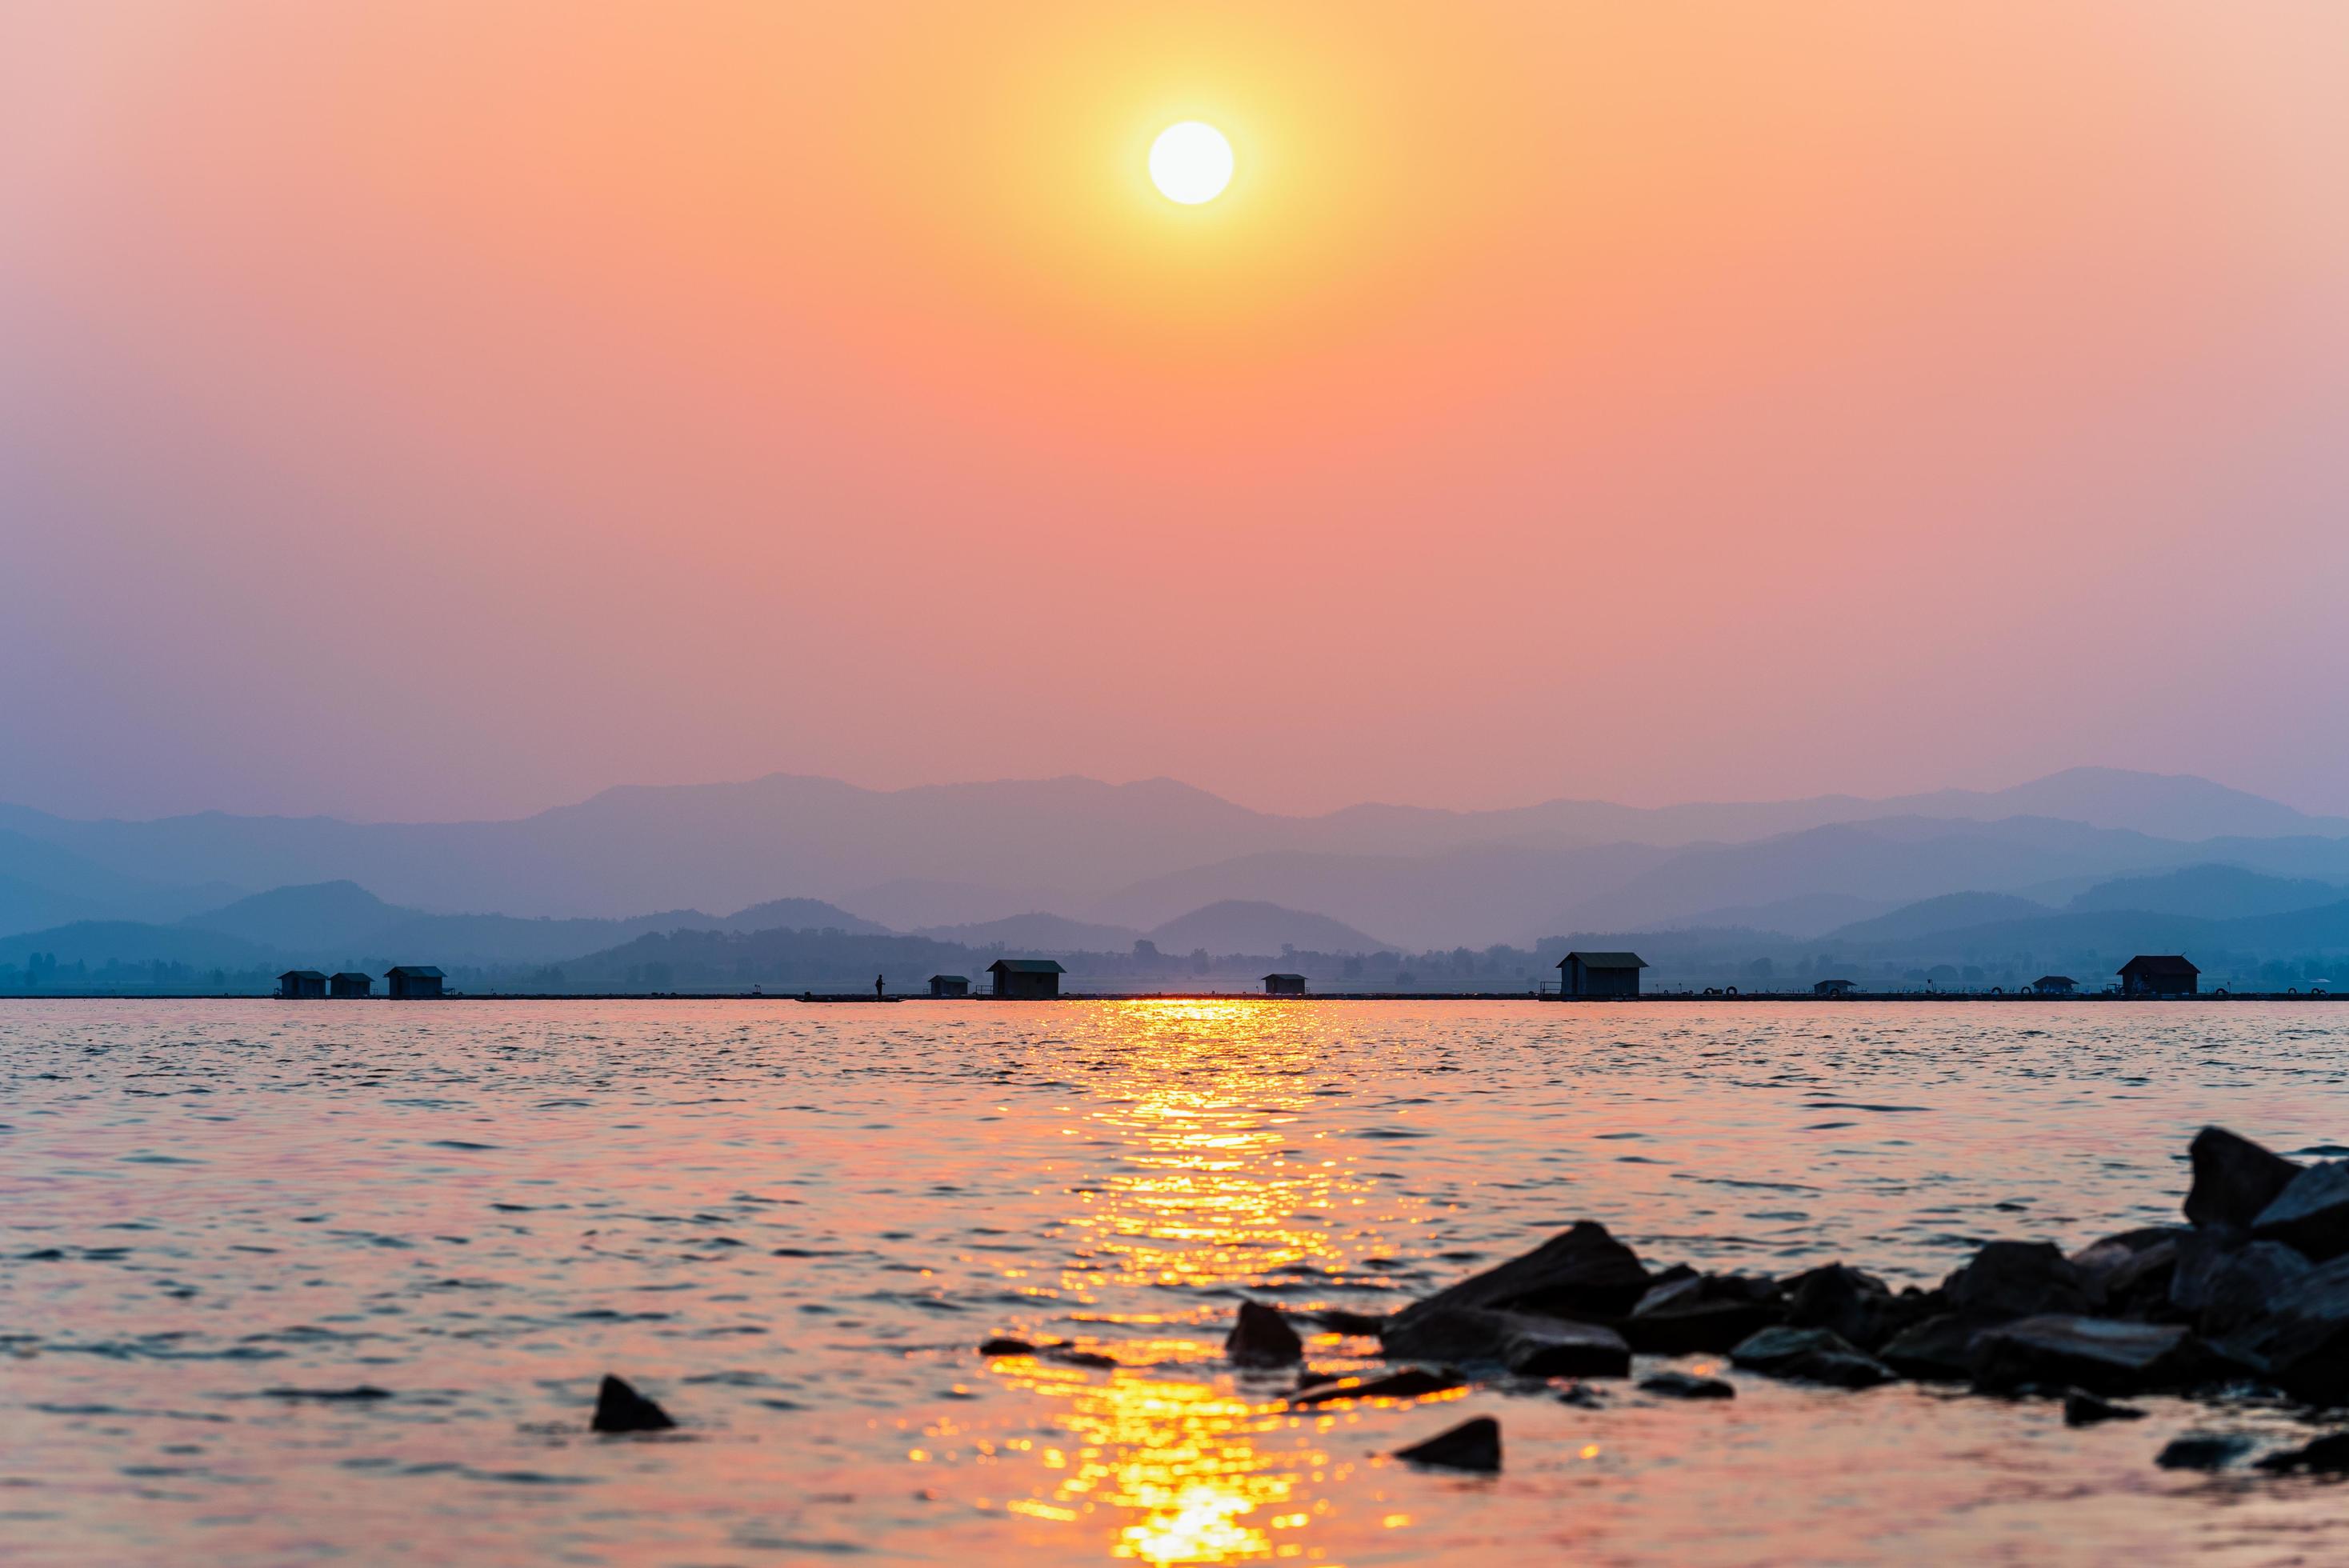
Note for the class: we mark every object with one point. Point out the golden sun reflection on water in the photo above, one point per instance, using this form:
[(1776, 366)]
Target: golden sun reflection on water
[(1207, 1192)]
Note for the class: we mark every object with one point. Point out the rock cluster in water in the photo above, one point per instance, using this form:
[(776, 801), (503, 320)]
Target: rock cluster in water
[(2253, 1290)]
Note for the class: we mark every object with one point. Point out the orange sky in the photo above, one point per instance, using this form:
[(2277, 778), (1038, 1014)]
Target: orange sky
[(436, 409)]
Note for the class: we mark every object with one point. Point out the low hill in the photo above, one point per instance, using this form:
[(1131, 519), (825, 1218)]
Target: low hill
[(2210, 891), (1038, 932), (1950, 912), (100, 943), (1247, 926)]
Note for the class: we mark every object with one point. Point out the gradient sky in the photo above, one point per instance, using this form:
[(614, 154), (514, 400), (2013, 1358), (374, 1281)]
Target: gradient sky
[(431, 410)]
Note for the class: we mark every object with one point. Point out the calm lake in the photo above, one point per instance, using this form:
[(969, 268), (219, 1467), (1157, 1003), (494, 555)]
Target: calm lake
[(792, 1226)]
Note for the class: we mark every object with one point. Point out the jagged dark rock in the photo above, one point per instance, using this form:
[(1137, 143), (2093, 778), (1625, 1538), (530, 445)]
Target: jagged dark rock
[(2082, 1408), (2203, 1450), (1696, 1313), (1261, 1337), (1411, 1383), (2220, 1288), (2234, 1179), (2008, 1280), (2300, 1341), (1338, 1320), (2327, 1455), (2130, 1272), (2311, 1215), (1473, 1444), (620, 1408), (1527, 1344), (1941, 1349), (2102, 1354), (1580, 1273), (1775, 1348), (1003, 1344), (1856, 1306), (1687, 1386), (1810, 1356)]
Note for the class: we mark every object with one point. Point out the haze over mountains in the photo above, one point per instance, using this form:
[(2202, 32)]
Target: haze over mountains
[(1072, 864)]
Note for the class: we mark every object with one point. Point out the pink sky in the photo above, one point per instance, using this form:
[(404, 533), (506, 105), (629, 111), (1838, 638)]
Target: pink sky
[(418, 410)]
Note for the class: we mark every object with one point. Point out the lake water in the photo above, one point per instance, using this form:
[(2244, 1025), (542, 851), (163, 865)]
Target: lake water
[(794, 1224)]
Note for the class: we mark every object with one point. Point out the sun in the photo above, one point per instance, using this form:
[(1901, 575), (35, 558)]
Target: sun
[(1191, 162)]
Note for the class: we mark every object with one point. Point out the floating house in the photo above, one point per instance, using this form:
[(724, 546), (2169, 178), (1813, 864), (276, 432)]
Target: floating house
[(2055, 985), (949, 985), (1284, 985), (1600, 974), (408, 981), (1026, 978), (1834, 988), (2159, 975), (351, 983), (302, 983)]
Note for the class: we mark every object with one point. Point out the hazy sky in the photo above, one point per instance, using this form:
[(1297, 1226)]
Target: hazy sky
[(429, 409)]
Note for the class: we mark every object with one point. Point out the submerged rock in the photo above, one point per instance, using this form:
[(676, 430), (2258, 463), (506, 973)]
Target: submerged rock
[(1338, 1320), (1582, 1395), (1471, 1446), (1003, 1344), (2234, 1179), (2203, 1450), (1687, 1386), (1529, 1345), (1411, 1383), (2082, 1408), (1262, 1338), (1810, 1356), (2327, 1455), (1941, 1349), (2008, 1280), (2311, 1215), (1582, 1273), (620, 1408), (2098, 1353)]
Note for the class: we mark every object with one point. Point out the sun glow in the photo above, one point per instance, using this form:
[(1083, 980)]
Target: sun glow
[(1191, 162)]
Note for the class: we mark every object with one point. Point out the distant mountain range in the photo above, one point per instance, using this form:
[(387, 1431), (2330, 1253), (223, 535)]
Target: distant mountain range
[(1076, 865)]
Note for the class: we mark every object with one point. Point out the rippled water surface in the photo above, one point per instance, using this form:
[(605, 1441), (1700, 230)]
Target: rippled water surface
[(794, 1225)]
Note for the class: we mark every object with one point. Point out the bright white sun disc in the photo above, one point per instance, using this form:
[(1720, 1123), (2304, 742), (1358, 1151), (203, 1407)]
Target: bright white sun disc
[(1191, 162)]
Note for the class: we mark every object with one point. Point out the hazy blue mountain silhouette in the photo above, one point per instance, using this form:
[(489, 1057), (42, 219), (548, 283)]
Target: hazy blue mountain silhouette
[(329, 924), (1138, 855), (1035, 931), (2214, 891), (1946, 911), (1248, 925)]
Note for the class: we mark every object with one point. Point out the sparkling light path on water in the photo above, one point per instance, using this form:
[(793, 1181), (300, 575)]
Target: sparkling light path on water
[(225, 1224)]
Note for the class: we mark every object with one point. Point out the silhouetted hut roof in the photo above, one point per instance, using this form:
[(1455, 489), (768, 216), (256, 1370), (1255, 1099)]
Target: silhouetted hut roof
[(353, 974), (2159, 964), (1605, 960), (1026, 966), (964, 978), (414, 971), (2046, 980), (1285, 976), (303, 975)]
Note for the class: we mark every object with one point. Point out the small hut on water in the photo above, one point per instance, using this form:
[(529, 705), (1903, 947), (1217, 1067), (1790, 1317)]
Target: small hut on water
[(1600, 974), (1026, 979)]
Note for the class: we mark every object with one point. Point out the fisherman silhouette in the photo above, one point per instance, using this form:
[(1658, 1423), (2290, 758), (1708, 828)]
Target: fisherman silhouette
[(877, 988)]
